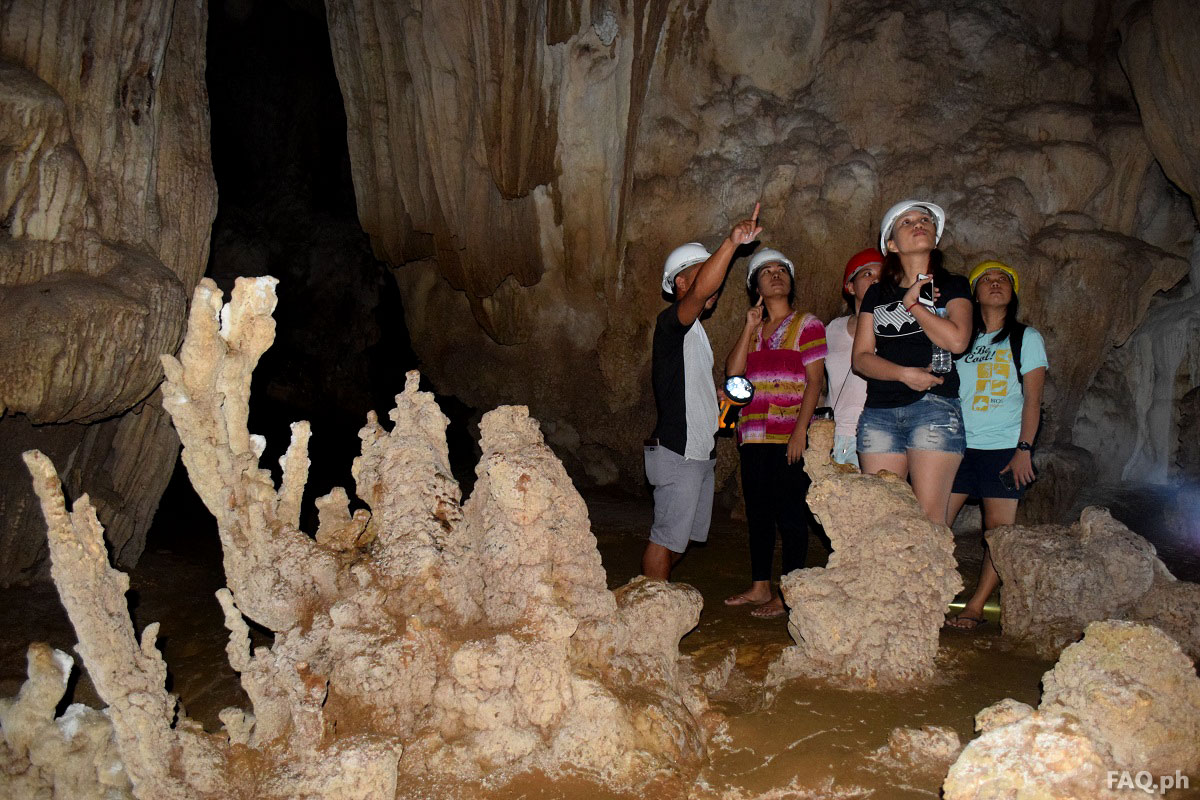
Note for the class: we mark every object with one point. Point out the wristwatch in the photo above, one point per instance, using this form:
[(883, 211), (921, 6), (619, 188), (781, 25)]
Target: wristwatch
[(1024, 446)]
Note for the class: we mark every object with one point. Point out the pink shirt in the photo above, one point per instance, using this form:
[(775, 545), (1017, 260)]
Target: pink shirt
[(776, 367)]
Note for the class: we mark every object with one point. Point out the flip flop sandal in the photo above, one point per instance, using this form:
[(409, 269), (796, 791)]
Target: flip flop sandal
[(768, 613), (972, 623), (742, 600)]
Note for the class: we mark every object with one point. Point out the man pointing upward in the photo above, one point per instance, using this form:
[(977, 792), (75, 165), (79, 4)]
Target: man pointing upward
[(680, 455)]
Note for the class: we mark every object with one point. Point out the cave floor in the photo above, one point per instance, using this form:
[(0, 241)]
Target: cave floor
[(811, 742)]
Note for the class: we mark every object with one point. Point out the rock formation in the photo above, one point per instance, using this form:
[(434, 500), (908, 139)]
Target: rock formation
[(1125, 698), (419, 636), (1136, 416), (526, 166), (1044, 755), (1134, 692), (930, 749), (73, 755), (872, 615), (108, 197), (1160, 52), (482, 175), (1057, 579)]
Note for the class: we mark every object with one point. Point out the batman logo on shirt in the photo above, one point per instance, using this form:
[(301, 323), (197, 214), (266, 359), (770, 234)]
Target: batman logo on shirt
[(891, 320)]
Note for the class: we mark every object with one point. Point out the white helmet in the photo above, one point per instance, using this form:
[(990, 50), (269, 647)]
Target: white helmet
[(889, 219), (764, 257), (680, 259)]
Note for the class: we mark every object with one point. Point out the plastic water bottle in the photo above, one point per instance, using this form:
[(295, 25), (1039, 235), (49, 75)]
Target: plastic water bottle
[(942, 361)]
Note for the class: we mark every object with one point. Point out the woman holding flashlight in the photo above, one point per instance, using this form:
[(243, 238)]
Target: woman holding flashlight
[(781, 352)]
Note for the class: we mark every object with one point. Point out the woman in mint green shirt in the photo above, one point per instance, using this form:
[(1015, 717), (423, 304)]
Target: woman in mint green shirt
[(1001, 377)]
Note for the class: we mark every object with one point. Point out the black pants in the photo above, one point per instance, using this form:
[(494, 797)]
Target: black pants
[(775, 494)]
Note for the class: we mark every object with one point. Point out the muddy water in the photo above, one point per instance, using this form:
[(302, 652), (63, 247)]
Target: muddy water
[(812, 741)]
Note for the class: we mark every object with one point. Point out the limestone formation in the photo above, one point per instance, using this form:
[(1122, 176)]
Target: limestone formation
[(481, 174), (1046, 755), (1173, 606), (1005, 712), (1125, 699), (1160, 52), (1057, 579), (1134, 692), (872, 615), (1136, 417), (42, 755), (108, 198), (930, 749), (419, 637)]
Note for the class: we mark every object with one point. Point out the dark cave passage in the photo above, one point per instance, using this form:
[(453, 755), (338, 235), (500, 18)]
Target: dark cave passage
[(287, 209)]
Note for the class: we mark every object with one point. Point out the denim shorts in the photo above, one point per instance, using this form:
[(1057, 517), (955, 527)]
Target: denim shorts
[(931, 423)]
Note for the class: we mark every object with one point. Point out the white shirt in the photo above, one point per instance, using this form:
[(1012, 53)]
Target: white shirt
[(700, 394), (847, 391)]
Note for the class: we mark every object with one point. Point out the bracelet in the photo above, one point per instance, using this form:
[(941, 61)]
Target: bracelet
[(1026, 446), (910, 308)]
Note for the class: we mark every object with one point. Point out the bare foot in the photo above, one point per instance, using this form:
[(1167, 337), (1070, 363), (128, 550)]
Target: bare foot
[(770, 610), (749, 598)]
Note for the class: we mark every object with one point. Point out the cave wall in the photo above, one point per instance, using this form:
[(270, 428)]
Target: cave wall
[(1137, 415), (107, 197), (526, 169)]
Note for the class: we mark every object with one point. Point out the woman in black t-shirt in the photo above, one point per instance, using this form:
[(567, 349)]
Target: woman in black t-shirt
[(912, 422)]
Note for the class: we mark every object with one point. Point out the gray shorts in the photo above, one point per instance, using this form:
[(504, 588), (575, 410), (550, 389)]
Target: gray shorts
[(683, 497)]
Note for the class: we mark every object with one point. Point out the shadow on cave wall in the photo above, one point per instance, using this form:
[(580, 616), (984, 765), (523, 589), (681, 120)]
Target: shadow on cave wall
[(287, 209)]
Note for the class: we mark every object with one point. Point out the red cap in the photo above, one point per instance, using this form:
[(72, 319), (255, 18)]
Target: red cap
[(863, 258)]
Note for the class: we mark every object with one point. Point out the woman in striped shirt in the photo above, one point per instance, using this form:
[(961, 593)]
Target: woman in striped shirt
[(782, 352)]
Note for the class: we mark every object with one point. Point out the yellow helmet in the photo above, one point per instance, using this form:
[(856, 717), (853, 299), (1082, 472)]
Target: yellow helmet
[(986, 266)]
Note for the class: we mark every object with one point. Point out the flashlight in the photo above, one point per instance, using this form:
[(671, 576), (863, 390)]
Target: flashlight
[(738, 392)]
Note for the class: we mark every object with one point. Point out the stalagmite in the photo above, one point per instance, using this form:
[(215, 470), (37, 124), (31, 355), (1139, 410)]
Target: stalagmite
[(872, 615), (70, 756), (1123, 700), (1055, 579), (424, 637)]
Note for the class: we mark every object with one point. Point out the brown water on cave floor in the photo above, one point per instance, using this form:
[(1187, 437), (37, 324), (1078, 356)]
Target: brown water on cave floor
[(811, 741)]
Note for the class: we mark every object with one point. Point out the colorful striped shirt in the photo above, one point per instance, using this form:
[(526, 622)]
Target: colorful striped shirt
[(776, 367)]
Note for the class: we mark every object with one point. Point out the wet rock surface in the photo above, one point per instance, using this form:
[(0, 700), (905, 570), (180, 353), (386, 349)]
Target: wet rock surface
[(1124, 700), (108, 199), (871, 617), (1057, 579), (419, 637)]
